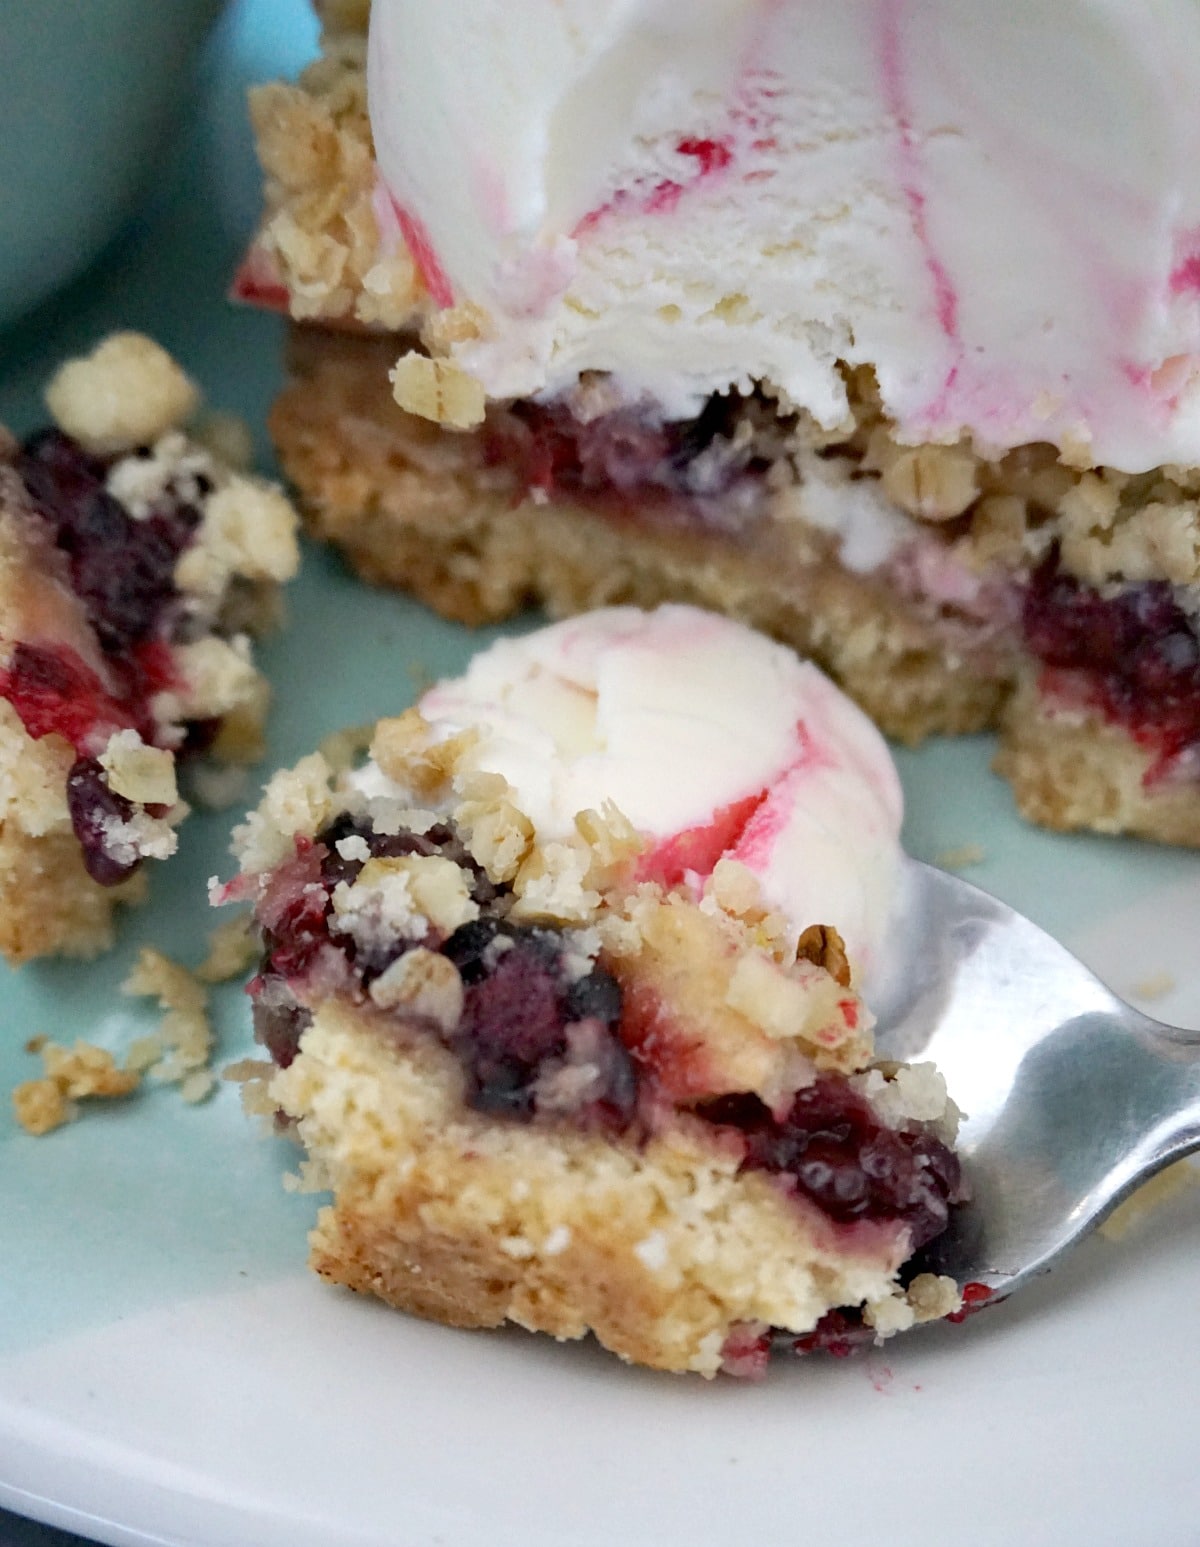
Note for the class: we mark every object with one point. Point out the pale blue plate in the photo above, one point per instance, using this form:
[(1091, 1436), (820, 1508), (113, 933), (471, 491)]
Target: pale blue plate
[(168, 1372)]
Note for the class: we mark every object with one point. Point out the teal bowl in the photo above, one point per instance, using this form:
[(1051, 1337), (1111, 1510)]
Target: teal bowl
[(91, 91)]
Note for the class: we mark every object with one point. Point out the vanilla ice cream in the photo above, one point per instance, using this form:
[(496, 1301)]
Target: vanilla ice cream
[(713, 741), (995, 206)]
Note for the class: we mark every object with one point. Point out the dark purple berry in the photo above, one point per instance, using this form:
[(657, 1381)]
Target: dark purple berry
[(468, 946), (660, 469), (598, 994), (94, 807), (1138, 648), (279, 1022), (512, 1022), (121, 568), (841, 1157)]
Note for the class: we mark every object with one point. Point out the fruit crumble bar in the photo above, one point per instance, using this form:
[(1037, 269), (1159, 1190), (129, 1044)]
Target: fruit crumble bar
[(135, 567), (963, 479), (586, 1074)]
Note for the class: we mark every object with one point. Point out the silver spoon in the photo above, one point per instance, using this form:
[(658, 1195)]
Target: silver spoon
[(1072, 1098)]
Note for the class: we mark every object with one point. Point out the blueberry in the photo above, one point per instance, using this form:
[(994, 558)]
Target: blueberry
[(597, 994), (93, 806)]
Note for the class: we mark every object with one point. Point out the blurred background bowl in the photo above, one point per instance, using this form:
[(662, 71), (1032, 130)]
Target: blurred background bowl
[(92, 89)]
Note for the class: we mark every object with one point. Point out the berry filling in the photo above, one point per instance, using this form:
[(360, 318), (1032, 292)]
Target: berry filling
[(535, 1035), (839, 1333), (54, 692), (544, 1033), (532, 1037), (121, 569), (831, 1147), (709, 469), (1135, 653)]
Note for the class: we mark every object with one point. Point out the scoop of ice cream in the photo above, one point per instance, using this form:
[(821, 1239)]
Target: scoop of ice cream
[(711, 739), (996, 206)]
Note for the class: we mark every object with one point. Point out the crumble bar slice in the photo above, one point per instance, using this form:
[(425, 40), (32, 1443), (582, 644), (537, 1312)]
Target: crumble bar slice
[(135, 567), (548, 1084), (949, 582)]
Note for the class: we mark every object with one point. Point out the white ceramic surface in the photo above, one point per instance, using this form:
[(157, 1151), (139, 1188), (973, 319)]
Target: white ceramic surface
[(169, 1372)]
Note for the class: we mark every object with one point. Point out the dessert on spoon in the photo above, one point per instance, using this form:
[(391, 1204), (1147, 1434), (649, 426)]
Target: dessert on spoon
[(561, 992)]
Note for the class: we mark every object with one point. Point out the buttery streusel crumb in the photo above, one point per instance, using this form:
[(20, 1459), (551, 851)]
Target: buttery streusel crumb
[(320, 237), (74, 1074), (296, 802), (437, 390), (126, 393), (182, 1046), (405, 750), (139, 772), (253, 1076), (232, 948), (40, 1106)]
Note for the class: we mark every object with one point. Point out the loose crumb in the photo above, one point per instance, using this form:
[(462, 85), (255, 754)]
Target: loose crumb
[(961, 856), (183, 1043), (232, 948), (344, 748), (178, 1052), (437, 390), (126, 393), (40, 1107), (1167, 1184), (72, 1074), (1154, 986), (254, 1076)]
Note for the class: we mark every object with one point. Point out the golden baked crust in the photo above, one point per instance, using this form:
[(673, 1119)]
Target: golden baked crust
[(1069, 770), (661, 1252), (620, 1203), (318, 250), (49, 905)]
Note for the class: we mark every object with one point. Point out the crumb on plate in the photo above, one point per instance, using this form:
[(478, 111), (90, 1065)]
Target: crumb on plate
[(961, 856)]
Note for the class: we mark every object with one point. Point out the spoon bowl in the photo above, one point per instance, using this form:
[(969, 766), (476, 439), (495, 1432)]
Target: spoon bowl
[(1071, 1098)]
